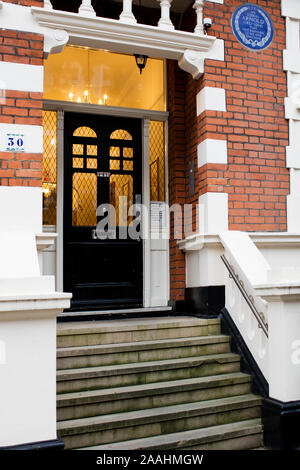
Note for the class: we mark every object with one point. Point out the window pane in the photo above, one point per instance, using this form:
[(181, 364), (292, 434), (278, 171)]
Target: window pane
[(157, 161), (84, 203), (49, 168), (99, 77), (121, 197), (77, 162)]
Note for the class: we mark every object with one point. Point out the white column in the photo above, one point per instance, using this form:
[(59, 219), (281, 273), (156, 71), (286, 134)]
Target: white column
[(48, 5), (165, 22), (86, 8), (198, 5), (127, 16)]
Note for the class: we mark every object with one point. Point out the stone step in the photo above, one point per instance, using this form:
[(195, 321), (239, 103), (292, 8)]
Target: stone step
[(118, 400), (141, 351), (241, 435), (91, 378), (117, 427), (125, 331)]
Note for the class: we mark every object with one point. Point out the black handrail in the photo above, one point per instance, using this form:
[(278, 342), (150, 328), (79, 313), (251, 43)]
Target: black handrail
[(261, 323)]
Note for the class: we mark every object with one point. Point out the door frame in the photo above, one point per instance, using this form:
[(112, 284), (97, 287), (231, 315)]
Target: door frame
[(145, 116)]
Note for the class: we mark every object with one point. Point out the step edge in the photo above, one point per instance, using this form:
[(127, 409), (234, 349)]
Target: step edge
[(124, 369), (247, 427), (200, 383), (139, 345), (112, 421)]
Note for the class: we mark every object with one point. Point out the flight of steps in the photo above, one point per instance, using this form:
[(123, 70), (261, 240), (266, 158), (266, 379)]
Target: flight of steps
[(156, 383)]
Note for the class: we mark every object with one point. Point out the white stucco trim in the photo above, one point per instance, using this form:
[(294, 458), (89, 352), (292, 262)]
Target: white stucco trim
[(213, 212), (290, 8), (189, 49), (211, 99), (212, 151), (21, 77)]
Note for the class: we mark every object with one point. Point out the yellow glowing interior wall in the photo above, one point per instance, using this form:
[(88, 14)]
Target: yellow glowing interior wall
[(49, 167), (100, 77)]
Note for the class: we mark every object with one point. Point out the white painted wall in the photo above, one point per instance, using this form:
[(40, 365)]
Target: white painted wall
[(28, 388), (20, 209)]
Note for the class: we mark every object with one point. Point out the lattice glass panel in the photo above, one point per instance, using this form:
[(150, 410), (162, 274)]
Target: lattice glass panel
[(84, 204), (157, 161), (77, 162), (114, 164), (92, 150), (127, 152), (121, 134), (121, 197), (114, 151), (84, 132), (49, 167), (91, 163), (127, 165), (78, 149)]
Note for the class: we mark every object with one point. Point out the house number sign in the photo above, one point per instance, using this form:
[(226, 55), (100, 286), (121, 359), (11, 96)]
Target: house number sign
[(252, 27), (15, 142)]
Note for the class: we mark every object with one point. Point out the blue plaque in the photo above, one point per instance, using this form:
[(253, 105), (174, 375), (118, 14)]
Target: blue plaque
[(252, 27)]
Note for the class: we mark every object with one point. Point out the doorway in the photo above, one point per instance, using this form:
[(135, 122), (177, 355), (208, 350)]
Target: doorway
[(103, 253)]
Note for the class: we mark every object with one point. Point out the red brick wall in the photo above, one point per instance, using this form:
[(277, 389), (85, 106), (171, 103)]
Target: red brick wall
[(177, 154), (255, 178), (21, 107)]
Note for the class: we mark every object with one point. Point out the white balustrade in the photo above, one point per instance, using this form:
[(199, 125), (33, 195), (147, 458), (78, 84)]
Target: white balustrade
[(48, 5), (198, 6), (165, 21), (127, 16), (86, 8)]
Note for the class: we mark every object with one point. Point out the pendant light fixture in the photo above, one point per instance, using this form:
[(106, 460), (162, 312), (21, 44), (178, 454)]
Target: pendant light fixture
[(141, 61)]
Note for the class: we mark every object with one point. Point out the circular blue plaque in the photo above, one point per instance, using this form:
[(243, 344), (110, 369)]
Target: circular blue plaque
[(252, 27)]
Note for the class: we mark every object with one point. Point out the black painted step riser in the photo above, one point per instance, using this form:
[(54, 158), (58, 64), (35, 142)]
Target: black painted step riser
[(142, 403), (97, 437)]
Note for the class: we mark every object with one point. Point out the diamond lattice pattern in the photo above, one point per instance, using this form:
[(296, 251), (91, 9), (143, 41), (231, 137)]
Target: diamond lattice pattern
[(84, 199), (157, 161), (49, 167)]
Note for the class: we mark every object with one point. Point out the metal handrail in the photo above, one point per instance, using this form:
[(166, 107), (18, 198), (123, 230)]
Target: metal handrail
[(261, 323)]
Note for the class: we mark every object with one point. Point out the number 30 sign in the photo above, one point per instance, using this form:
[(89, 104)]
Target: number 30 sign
[(15, 142)]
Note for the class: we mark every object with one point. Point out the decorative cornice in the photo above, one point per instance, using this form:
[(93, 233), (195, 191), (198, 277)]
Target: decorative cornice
[(55, 41), (192, 62), (188, 48)]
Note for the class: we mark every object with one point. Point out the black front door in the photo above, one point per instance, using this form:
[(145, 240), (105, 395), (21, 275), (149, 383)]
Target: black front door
[(103, 253)]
